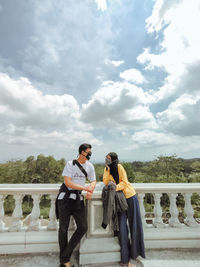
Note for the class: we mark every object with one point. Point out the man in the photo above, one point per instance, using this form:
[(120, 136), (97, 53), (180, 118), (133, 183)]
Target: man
[(74, 180)]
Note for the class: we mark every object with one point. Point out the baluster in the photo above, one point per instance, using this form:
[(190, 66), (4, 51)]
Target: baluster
[(2, 224), (189, 220), (52, 215), (157, 222), (142, 209), (72, 224), (174, 221), (16, 224), (35, 214)]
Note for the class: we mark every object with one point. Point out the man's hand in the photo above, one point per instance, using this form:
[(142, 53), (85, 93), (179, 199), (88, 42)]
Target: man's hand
[(88, 196), (89, 189)]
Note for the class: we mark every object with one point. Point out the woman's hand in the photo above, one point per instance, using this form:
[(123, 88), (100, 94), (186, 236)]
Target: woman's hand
[(107, 168)]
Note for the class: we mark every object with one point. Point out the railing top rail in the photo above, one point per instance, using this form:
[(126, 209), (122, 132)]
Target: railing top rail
[(139, 187)]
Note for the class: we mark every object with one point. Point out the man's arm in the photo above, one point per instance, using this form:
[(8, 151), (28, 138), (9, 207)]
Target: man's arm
[(93, 185), (70, 184)]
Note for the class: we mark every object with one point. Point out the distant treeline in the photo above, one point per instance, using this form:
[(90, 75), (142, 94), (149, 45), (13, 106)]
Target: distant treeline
[(164, 169)]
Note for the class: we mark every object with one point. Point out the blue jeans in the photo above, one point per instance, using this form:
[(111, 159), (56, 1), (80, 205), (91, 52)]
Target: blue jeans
[(131, 249)]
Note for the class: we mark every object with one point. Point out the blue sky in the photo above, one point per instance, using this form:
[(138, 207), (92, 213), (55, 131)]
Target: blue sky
[(122, 75)]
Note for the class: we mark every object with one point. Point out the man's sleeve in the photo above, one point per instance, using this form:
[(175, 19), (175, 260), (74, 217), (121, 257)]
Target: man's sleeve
[(67, 170), (92, 174)]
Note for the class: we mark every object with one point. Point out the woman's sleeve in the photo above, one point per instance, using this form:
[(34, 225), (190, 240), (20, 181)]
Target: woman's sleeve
[(105, 177), (123, 178)]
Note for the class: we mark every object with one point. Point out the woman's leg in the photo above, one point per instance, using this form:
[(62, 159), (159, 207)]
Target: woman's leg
[(135, 225), (123, 237)]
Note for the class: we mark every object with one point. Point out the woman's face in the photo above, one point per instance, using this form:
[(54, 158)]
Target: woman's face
[(109, 157), (108, 160)]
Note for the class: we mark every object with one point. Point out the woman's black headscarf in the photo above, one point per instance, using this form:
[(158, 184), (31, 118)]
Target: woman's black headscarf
[(114, 166)]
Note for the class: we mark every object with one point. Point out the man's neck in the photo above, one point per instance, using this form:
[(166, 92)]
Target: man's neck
[(81, 159)]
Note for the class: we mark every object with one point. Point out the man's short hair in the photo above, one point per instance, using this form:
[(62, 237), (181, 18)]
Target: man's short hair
[(83, 147)]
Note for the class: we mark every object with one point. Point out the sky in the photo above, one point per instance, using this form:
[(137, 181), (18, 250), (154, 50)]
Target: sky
[(122, 75)]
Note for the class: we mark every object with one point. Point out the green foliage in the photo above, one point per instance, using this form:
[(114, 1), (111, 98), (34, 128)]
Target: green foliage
[(196, 166), (45, 204), (99, 169), (164, 169), (40, 170), (27, 207), (9, 204), (194, 178)]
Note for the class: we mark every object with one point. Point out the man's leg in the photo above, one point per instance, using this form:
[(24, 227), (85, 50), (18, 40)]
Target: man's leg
[(80, 217), (64, 219)]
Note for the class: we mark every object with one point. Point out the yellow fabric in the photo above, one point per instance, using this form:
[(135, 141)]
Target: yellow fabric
[(123, 185)]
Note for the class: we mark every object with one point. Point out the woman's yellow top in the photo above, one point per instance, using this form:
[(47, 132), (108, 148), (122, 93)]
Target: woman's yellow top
[(123, 184)]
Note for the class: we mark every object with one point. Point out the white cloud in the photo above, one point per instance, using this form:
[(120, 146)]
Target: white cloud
[(34, 122), (115, 63), (133, 75), (119, 105), (182, 116), (160, 14), (163, 143), (179, 55), (151, 138), (101, 4), (54, 47), (26, 105)]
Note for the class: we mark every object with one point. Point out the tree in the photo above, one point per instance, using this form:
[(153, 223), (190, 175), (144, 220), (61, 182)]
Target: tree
[(195, 166), (164, 169), (48, 170), (99, 169)]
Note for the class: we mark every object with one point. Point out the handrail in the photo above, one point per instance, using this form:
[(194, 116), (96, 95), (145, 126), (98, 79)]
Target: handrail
[(139, 187)]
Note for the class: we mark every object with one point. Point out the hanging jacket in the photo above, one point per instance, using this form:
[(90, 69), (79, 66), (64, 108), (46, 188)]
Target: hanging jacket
[(113, 203)]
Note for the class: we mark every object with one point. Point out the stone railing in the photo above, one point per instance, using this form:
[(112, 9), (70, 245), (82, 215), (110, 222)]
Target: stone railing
[(21, 237)]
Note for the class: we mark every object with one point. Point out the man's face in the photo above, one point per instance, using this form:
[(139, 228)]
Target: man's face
[(87, 153)]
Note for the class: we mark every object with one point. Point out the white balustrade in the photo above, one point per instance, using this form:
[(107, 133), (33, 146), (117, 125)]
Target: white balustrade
[(35, 214), (37, 190), (72, 224), (190, 221), (174, 221), (158, 222), (142, 209), (25, 235), (2, 224), (52, 225), (16, 224)]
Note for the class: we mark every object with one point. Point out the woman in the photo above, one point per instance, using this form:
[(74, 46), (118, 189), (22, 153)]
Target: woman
[(129, 250)]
